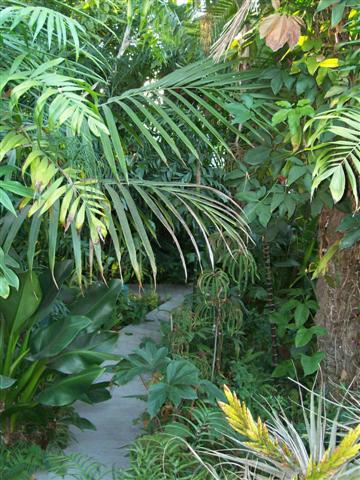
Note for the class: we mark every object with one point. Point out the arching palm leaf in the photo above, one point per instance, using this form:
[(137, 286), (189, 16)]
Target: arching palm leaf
[(337, 159), (189, 98)]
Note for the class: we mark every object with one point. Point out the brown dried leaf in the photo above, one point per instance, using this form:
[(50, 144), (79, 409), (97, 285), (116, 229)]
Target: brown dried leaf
[(280, 29), (267, 25), (294, 31), (275, 4)]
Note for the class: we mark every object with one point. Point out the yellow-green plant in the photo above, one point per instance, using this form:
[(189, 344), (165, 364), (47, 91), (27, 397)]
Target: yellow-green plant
[(260, 440), (281, 452)]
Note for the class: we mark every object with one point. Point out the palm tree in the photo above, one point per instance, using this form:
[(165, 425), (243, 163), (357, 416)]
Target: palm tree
[(66, 146)]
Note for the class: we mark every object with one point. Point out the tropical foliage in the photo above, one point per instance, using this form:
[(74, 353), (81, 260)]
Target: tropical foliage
[(57, 123), (51, 364), (216, 142)]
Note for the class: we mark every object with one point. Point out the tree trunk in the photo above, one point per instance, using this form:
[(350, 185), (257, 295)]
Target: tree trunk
[(338, 295)]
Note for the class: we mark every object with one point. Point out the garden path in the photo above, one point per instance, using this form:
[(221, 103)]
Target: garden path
[(115, 419)]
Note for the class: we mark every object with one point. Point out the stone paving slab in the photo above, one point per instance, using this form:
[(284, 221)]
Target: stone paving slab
[(115, 419)]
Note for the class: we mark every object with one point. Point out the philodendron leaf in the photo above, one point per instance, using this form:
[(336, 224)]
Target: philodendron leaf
[(305, 335), (66, 391), (6, 382), (311, 363), (284, 369), (302, 313)]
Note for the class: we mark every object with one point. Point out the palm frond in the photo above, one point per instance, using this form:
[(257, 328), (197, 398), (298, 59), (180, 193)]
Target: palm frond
[(190, 98), (107, 204), (59, 99), (83, 206), (336, 146), (58, 26)]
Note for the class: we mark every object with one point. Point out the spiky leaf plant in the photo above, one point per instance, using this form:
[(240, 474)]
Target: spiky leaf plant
[(281, 452)]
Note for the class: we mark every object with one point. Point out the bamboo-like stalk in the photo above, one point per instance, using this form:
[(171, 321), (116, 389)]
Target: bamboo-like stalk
[(270, 300)]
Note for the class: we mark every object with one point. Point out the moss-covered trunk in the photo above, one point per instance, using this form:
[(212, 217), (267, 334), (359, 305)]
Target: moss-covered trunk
[(338, 295)]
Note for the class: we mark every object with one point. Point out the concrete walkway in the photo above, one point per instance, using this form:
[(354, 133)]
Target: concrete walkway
[(114, 419)]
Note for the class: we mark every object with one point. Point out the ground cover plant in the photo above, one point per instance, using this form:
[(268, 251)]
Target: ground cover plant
[(212, 142)]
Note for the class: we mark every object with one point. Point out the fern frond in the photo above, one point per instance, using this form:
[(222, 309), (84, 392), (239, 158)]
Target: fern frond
[(78, 467)]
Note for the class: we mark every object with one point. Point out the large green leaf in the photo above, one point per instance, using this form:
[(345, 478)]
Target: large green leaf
[(99, 341), (23, 303), (96, 393), (52, 340), (50, 290), (98, 304), (158, 394), (305, 335), (146, 360), (180, 383), (70, 389), (76, 361), (311, 363)]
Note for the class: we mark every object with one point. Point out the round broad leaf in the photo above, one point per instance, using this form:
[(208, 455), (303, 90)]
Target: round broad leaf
[(311, 363)]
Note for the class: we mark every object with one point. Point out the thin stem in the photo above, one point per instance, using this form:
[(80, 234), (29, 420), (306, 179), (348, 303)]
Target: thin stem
[(270, 301)]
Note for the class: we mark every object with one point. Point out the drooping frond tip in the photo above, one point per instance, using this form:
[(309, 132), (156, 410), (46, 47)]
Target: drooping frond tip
[(231, 29)]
